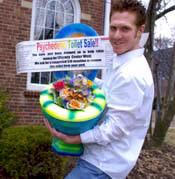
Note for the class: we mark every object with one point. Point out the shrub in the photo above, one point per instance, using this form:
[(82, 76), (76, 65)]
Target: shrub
[(25, 153), (7, 118)]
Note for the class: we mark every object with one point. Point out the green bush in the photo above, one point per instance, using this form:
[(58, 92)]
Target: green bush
[(25, 152), (7, 118)]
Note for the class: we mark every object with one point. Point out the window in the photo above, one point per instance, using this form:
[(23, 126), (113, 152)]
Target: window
[(48, 16)]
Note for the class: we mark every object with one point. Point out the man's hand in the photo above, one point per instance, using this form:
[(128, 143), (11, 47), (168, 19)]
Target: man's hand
[(66, 138)]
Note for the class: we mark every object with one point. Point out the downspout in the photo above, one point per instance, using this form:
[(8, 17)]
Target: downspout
[(106, 24), (106, 19)]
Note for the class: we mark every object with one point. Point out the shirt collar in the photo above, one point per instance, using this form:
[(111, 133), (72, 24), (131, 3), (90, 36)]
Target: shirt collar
[(121, 59)]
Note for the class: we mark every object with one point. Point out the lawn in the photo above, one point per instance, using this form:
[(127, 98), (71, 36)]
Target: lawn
[(170, 137)]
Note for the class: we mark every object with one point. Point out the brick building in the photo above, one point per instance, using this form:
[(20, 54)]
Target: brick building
[(23, 20)]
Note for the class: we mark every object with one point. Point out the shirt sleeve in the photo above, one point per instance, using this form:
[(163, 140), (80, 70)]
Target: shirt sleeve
[(125, 99)]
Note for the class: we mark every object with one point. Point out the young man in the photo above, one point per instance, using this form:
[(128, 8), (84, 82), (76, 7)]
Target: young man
[(112, 148)]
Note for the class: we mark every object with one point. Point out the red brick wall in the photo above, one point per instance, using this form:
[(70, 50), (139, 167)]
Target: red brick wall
[(15, 27), (96, 9)]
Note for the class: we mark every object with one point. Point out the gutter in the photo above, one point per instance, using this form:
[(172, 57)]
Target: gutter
[(106, 26), (107, 13)]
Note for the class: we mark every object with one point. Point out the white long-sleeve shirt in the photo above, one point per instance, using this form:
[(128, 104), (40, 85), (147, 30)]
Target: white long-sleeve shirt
[(115, 144)]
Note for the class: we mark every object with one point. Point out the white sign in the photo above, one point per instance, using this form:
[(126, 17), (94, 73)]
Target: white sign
[(63, 54)]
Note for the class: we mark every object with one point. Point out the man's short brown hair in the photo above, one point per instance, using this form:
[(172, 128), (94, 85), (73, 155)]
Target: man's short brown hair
[(130, 6)]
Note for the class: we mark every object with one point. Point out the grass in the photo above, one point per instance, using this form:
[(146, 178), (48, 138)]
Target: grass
[(170, 137)]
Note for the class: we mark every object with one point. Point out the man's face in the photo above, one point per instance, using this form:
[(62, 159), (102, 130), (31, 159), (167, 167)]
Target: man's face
[(124, 35)]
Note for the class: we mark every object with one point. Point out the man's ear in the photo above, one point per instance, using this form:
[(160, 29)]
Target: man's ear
[(140, 30)]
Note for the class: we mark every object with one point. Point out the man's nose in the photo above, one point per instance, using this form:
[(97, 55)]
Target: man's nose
[(117, 34)]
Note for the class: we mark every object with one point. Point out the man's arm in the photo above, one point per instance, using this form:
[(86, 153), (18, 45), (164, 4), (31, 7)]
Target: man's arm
[(120, 120), (124, 105), (66, 138)]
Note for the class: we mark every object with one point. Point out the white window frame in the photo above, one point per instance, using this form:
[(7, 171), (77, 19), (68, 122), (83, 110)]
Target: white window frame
[(77, 10)]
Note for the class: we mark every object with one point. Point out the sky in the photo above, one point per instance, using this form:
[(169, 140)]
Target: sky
[(165, 27)]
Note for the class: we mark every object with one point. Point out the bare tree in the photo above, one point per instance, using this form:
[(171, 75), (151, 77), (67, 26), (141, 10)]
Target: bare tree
[(162, 43), (165, 109)]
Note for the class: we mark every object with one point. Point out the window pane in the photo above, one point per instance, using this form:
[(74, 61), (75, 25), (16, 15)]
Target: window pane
[(48, 33), (68, 7), (39, 23), (49, 19), (69, 19), (52, 78), (59, 19), (35, 77), (51, 5), (45, 77)]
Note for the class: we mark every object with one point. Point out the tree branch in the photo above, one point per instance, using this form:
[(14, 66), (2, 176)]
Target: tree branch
[(158, 16)]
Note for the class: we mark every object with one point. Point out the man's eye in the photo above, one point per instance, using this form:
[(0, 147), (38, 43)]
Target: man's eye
[(125, 29), (113, 28)]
